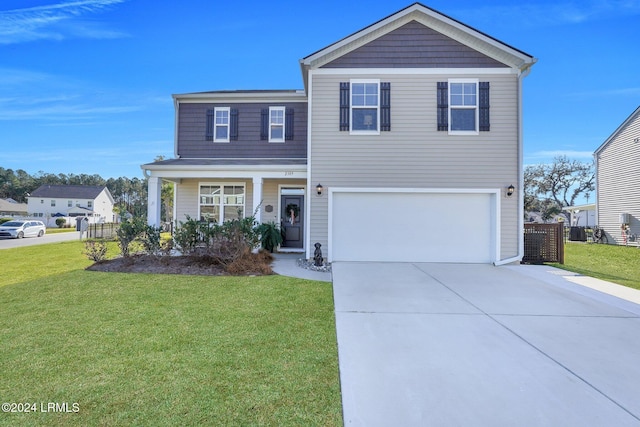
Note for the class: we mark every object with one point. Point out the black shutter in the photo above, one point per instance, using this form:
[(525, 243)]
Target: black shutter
[(210, 120), (385, 106), (264, 124), (233, 125), (288, 122), (443, 106), (344, 106), (484, 106)]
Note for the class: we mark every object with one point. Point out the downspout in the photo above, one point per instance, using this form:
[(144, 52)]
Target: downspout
[(307, 220), (518, 258)]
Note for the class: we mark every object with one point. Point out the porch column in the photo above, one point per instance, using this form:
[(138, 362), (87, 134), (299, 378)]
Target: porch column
[(154, 201), (257, 197)]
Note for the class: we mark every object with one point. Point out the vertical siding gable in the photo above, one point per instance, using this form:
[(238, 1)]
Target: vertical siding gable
[(195, 139), (414, 46)]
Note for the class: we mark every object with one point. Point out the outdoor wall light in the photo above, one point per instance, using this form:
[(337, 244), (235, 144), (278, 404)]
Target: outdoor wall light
[(510, 190), (319, 189)]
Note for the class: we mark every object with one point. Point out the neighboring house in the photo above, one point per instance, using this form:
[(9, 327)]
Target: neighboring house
[(618, 182), (405, 145), (11, 208), (91, 201), (581, 215)]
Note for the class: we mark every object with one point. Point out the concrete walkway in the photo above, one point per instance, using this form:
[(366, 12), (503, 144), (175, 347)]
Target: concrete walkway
[(285, 264), (478, 345)]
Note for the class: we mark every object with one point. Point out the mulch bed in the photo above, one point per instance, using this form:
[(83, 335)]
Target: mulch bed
[(251, 264)]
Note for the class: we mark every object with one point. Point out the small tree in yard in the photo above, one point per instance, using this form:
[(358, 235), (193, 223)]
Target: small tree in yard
[(60, 222), (129, 231)]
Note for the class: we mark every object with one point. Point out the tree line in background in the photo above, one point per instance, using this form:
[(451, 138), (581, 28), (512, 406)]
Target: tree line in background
[(548, 187), (129, 194), (551, 187)]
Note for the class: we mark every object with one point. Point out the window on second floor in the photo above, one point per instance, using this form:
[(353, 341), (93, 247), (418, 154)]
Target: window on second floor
[(70, 203), (221, 125), (276, 124), (90, 204), (53, 203), (365, 106), (463, 106)]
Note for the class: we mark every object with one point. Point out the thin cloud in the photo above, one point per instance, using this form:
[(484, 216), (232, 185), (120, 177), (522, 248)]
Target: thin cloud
[(55, 22), (552, 14), (572, 154), (625, 91)]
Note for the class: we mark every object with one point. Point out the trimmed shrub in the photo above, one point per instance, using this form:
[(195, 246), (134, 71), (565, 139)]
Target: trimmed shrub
[(129, 231), (95, 249)]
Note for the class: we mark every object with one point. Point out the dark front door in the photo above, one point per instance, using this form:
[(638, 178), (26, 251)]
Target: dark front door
[(292, 220)]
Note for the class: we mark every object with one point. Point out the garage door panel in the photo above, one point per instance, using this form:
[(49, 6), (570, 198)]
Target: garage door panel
[(413, 227)]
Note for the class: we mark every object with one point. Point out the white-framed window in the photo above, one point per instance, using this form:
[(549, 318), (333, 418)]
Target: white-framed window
[(90, 204), (53, 203), (221, 124), (276, 124), (463, 106), (365, 106), (219, 202), (69, 203)]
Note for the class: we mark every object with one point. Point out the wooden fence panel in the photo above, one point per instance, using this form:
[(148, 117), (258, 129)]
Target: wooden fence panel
[(543, 243)]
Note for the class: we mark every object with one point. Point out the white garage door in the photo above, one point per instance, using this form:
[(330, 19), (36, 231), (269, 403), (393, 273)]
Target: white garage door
[(412, 226)]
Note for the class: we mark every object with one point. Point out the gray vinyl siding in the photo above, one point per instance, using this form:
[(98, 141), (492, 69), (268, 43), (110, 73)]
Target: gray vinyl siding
[(414, 154), (192, 143), (414, 46), (618, 180)]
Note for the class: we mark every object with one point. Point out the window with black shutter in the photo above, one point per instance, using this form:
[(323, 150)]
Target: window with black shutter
[(463, 106), (365, 106), (222, 124)]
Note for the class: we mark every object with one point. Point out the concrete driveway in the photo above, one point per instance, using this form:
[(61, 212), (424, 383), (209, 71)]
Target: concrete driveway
[(478, 345)]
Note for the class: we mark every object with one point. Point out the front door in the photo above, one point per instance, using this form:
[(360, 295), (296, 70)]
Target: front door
[(292, 220)]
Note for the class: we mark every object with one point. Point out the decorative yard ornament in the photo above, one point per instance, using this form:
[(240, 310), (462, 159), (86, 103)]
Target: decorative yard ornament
[(317, 255)]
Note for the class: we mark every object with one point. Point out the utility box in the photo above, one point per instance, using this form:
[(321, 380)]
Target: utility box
[(625, 218)]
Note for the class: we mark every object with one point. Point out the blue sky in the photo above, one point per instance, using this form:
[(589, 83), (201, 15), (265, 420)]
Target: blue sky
[(85, 85)]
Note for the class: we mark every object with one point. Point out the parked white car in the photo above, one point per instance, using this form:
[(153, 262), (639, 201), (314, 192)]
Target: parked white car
[(20, 229)]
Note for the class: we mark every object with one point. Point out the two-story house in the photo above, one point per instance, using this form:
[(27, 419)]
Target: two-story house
[(91, 201), (404, 145), (618, 183)]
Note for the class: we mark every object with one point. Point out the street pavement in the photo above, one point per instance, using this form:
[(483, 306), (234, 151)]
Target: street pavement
[(47, 238)]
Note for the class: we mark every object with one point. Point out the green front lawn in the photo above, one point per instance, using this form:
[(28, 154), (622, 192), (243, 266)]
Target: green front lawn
[(617, 264), (141, 349)]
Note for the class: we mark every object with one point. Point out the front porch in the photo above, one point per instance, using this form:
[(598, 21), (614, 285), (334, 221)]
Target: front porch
[(270, 192)]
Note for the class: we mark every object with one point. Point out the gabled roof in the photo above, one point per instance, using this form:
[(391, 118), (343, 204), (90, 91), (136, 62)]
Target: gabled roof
[(70, 191), (431, 18), (635, 115)]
